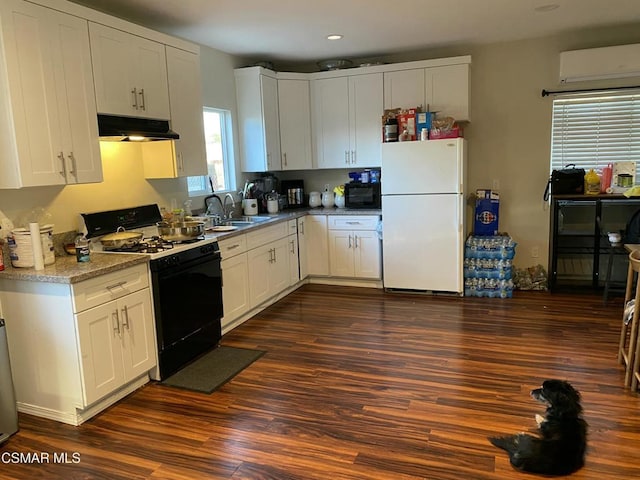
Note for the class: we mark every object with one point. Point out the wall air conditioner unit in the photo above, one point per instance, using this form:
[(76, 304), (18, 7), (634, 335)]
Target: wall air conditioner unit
[(600, 63)]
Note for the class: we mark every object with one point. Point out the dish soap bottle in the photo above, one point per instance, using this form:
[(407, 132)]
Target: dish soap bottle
[(591, 183)]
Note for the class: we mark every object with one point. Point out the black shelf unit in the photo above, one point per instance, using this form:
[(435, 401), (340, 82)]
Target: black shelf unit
[(579, 247)]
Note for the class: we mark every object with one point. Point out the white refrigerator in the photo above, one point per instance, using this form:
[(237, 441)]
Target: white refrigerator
[(423, 215)]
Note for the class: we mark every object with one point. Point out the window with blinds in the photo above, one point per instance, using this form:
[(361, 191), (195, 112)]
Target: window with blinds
[(594, 130)]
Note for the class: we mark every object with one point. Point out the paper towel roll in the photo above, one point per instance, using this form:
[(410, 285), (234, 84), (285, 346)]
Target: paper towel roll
[(36, 246)]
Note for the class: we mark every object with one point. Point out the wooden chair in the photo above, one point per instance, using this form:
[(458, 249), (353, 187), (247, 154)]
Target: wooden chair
[(628, 348)]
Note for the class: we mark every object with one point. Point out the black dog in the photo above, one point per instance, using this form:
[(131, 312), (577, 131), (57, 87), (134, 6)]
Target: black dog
[(560, 449)]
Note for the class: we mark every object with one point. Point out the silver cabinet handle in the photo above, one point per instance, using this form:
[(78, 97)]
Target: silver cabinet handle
[(268, 160), (352, 222), (62, 172), (114, 316), (125, 317), (353, 156), (134, 93), (284, 156), (293, 247), (275, 259), (180, 162), (232, 247), (74, 169), (346, 157), (142, 102), (302, 227), (355, 241), (349, 241)]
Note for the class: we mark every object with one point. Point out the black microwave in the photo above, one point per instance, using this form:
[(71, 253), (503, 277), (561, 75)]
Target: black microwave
[(362, 195)]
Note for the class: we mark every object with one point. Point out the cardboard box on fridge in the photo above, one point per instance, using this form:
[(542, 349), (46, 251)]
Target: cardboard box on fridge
[(423, 120), (440, 133), (486, 214), (407, 121)]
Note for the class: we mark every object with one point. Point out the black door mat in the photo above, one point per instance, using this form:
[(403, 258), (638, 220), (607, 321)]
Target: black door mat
[(213, 369)]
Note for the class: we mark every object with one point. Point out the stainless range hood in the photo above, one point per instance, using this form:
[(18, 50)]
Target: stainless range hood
[(119, 128)]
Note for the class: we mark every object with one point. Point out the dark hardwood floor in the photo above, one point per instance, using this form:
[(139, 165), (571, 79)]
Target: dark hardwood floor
[(361, 384)]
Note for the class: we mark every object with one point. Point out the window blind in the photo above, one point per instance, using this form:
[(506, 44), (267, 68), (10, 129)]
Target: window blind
[(594, 130)]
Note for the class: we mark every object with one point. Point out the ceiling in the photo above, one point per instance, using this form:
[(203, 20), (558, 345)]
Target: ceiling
[(296, 30)]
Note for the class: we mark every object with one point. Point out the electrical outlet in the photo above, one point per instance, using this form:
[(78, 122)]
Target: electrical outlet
[(535, 253), (496, 184)]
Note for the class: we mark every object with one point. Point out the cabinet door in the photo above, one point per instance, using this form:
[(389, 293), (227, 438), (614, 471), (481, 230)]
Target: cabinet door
[(317, 245), (185, 94), (269, 88), (28, 50), (259, 260), (447, 90), (331, 122), (76, 99), (295, 124), (365, 127), (294, 272), (235, 288), (367, 259), (149, 64), (302, 248), (99, 339), (279, 274), (138, 337), (341, 252), (404, 89), (112, 70)]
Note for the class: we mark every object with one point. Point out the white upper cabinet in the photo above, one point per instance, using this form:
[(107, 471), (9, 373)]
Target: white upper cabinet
[(347, 120), (258, 120), (130, 74), (47, 103), (443, 89), (187, 155), (295, 123)]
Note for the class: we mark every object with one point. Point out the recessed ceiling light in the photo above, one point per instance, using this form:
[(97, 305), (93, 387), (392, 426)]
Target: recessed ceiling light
[(334, 36), (547, 8)]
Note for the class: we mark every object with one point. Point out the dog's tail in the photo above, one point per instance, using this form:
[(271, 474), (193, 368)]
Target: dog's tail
[(507, 443)]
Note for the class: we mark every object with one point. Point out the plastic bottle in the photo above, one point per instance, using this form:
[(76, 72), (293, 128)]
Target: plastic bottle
[(591, 183), (82, 249)]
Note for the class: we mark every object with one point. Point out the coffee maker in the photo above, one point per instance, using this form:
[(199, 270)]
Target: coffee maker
[(264, 185), (293, 192)]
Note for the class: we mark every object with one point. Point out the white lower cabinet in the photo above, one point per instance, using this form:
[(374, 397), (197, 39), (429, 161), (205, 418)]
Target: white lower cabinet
[(235, 279), (117, 344), (268, 271), (354, 247), (303, 262), (317, 245), (78, 348)]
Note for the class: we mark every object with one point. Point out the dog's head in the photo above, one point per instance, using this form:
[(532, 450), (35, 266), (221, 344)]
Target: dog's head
[(560, 397)]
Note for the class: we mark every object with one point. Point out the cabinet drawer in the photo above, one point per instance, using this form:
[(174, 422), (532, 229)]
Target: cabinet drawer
[(102, 289), (293, 227), (267, 235), (353, 222), (233, 246)]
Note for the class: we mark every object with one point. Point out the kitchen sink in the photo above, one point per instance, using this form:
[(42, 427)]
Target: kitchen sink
[(247, 220)]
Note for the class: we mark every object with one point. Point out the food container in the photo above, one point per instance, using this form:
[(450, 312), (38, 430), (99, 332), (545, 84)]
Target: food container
[(180, 231), (21, 248)]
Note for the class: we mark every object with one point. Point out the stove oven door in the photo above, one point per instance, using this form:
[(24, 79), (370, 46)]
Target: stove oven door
[(188, 309)]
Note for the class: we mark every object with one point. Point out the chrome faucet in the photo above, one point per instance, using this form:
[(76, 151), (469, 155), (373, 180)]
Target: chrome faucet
[(228, 214)]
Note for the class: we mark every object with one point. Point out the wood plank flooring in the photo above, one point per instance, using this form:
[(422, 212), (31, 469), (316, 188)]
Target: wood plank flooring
[(361, 384)]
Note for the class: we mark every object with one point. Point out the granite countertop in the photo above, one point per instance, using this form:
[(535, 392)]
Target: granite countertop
[(68, 270)]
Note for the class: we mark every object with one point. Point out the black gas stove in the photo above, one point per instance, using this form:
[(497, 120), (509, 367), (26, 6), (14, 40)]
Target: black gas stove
[(186, 283)]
